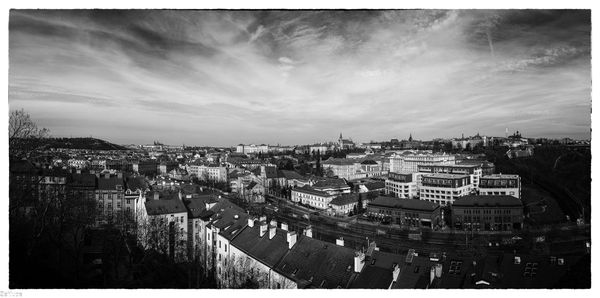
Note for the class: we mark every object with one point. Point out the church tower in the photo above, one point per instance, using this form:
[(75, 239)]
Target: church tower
[(410, 137)]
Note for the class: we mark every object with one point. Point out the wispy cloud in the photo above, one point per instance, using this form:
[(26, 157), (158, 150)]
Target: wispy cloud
[(224, 77)]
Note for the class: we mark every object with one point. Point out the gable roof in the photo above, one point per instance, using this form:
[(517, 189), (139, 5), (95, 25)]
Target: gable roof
[(267, 251), (109, 183), (161, 207), (83, 180), (345, 199), (318, 264)]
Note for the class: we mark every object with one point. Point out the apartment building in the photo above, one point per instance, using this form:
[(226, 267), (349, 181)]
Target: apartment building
[(402, 185), (444, 189), (408, 161), (500, 184)]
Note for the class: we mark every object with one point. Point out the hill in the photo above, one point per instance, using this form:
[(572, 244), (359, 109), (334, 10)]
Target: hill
[(76, 143)]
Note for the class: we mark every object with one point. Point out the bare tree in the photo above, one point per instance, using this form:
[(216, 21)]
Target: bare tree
[(23, 134)]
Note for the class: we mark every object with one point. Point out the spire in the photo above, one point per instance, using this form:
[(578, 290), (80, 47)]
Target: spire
[(410, 137), (340, 135)]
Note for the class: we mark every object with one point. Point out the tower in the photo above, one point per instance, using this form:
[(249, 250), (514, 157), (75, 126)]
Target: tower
[(410, 137)]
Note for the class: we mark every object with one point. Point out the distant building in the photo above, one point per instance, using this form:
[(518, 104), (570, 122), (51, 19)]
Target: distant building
[(345, 143), (488, 213), (408, 161)]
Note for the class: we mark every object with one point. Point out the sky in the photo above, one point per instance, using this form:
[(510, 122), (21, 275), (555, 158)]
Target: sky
[(219, 78)]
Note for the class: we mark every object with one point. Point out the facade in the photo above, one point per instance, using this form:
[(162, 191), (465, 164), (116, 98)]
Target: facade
[(310, 196), (444, 189), (145, 167), (342, 205), (408, 162), (401, 185), (345, 143), (500, 184), (474, 171), (348, 169), (164, 227), (488, 213), (405, 212), (110, 197)]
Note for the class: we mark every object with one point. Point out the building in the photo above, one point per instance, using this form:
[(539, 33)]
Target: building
[(443, 189), (164, 226), (318, 148), (474, 171), (310, 196), (488, 213), (346, 203), (145, 167), (500, 184), (409, 161), (405, 212), (345, 143), (348, 169), (332, 186), (110, 197), (255, 252), (401, 185), (470, 142)]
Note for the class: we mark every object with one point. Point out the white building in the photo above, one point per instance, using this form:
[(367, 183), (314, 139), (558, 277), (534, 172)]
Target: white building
[(402, 185), (408, 161), (500, 184), (315, 198), (444, 189)]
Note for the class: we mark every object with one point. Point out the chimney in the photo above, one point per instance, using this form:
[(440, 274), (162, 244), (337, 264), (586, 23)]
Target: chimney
[(431, 275), (308, 231), (396, 273), (262, 218), (272, 231), (359, 261), (438, 270), (263, 228), (251, 222), (339, 241), (291, 239), (273, 222), (284, 226)]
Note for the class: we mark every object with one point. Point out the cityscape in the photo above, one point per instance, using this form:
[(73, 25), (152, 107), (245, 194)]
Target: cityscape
[(299, 149)]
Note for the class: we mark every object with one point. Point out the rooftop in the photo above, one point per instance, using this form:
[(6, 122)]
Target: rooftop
[(488, 201), (161, 207), (412, 204)]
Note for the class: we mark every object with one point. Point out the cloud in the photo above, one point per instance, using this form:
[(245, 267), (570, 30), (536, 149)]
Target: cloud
[(292, 77)]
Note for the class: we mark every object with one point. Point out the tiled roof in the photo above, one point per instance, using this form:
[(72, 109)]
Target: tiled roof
[(412, 204), (83, 180), (309, 190), (318, 264), (109, 183), (375, 185), (267, 251), (292, 175), (488, 201), (160, 207), (345, 199)]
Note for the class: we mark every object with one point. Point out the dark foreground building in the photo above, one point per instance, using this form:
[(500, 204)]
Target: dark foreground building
[(489, 213)]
